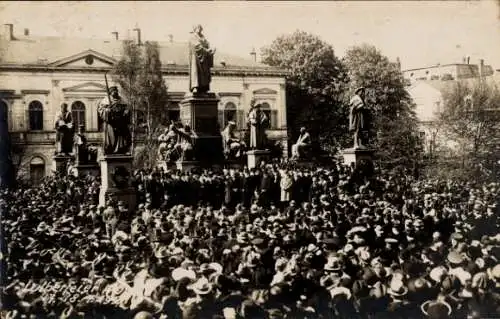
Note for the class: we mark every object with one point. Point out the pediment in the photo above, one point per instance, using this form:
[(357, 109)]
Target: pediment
[(265, 91), (87, 87), (89, 58)]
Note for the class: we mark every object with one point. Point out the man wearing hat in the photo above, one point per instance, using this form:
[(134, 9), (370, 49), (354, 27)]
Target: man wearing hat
[(358, 120)]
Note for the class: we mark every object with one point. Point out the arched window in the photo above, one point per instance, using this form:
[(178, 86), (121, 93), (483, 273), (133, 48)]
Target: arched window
[(35, 111), (231, 113), (4, 115), (37, 170), (78, 114)]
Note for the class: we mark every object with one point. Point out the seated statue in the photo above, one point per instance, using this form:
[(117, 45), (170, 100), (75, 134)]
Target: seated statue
[(185, 142), (233, 147), (167, 142), (302, 147)]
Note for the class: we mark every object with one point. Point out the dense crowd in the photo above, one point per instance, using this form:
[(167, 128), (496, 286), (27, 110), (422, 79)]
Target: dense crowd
[(273, 242)]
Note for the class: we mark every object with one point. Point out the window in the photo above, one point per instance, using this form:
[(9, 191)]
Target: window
[(231, 113), (4, 115), (78, 114), (37, 170), (272, 115), (35, 111)]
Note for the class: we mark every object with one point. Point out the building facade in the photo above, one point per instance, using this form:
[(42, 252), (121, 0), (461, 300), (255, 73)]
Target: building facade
[(38, 74)]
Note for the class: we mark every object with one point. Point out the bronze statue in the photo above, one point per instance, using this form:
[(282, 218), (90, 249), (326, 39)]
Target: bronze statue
[(64, 131), (116, 116), (257, 120), (358, 117), (302, 146), (233, 147), (201, 60), (84, 153)]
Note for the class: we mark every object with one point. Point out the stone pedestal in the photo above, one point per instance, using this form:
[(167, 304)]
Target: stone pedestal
[(60, 163), (303, 163), (186, 166), (116, 173), (199, 111), (80, 170), (234, 164), (255, 157), (355, 156)]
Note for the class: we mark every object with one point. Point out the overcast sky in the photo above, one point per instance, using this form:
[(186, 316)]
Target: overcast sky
[(420, 33)]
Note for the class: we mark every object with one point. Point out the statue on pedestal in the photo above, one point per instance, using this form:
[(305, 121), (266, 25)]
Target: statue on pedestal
[(257, 120), (185, 141), (303, 145), (201, 60), (233, 146), (358, 117), (64, 131), (116, 116), (84, 153)]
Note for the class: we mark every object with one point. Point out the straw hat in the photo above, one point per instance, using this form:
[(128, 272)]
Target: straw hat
[(397, 288), (201, 287), (180, 273)]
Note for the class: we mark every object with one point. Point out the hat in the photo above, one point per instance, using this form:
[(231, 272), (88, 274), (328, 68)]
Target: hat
[(143, 315), (201, 287), (180, 273), (436, 309), (457, 236), (361, 88), (332, 264), (495, 272), (162, 252), (397, 288), (455, 258)]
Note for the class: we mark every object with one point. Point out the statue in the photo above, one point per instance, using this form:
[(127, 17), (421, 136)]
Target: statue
[(302, 146), (167, 141), (184, 146), (116, 116), (81, 150), (257, 120), (201, 60), (64, 131), (233, 146), (358, 117)]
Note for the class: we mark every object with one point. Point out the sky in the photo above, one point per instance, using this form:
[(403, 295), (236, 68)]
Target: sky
[(420, 33)]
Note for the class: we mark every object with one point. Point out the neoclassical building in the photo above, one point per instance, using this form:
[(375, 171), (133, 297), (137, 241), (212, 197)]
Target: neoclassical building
[(38, 74)]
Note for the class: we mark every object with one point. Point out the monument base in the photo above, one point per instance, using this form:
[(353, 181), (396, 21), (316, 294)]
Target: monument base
[(304, 163), (234, 164), (60, 163), (256, 157), (80, 170), (116, 174), (356, 156), (187, 166)]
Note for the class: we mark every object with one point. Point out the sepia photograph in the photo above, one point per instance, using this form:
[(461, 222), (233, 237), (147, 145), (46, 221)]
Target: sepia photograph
[(250, 159)]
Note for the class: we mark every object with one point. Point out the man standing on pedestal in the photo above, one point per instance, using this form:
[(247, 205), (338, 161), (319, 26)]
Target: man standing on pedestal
[(116, 116), (358, 117)]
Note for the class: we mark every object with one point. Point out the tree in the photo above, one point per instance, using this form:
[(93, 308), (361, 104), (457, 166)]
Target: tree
[(314, 86), (140, 77), (395, 126), (470, 122)]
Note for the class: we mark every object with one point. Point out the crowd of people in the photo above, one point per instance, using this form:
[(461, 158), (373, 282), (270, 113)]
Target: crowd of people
[(274, 242)]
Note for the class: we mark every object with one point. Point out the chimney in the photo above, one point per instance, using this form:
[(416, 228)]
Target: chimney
[(170, 38), (8, 31), (138, 36), (26, 32), (254, 55), (468, 59), (115, 35), (481, 68), (398, 63)]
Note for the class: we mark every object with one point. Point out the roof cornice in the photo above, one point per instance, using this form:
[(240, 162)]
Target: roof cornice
[(168, 70)]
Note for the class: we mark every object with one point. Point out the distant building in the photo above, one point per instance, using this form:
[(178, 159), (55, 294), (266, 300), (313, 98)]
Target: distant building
[(38, 74), (427, 85)]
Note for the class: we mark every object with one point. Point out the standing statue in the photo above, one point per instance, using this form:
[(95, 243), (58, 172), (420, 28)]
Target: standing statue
[(303, 144), (64, 131), (233, 146), (358, 117), (81, 151), (201, 60), (116, 116), (257, 120)]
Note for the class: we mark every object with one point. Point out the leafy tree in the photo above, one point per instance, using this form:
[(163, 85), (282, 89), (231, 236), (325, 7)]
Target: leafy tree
[(139, 75), (470, 123), (395, 127), (314, 86)]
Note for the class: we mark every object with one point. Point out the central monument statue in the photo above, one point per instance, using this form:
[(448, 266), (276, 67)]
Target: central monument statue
[(201, 60), (358, 117), (116, 117)]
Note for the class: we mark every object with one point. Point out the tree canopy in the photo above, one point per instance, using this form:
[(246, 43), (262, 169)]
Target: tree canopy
[(314, 86)]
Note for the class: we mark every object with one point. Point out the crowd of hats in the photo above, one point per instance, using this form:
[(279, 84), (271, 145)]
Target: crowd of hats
[(388, 247)]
